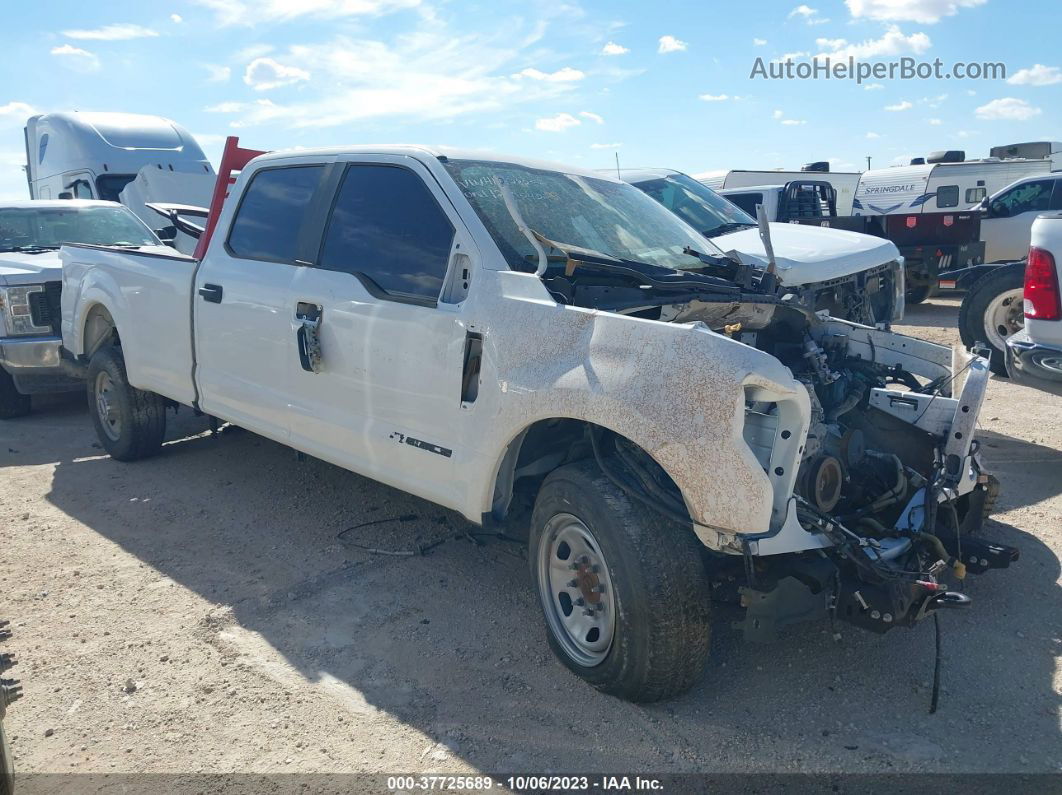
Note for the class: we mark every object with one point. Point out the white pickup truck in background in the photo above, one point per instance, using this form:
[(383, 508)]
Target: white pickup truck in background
[(31, 278), (480, 331), (852, 276), (1034, 354)]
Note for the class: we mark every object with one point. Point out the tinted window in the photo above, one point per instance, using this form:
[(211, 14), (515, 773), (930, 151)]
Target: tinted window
[(948, 196), (43, 148), (1028, 197), (747, 201), (386, 227), (974, 195), (700, 207), (271, 210), (110, 185), (1056, 200)]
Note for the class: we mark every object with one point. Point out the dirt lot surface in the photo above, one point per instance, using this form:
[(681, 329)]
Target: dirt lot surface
[(200, 612)]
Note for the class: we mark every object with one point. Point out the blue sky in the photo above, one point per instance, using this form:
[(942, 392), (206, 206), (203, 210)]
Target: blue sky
[(661, 83)]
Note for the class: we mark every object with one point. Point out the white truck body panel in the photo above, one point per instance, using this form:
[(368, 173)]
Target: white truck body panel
[(844, 182), (153, 184), (1006, 236)]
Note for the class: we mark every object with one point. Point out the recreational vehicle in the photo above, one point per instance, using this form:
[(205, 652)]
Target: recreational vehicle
[(844, 182)]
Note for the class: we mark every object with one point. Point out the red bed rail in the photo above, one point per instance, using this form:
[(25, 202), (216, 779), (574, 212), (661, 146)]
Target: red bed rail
[(234, 158)]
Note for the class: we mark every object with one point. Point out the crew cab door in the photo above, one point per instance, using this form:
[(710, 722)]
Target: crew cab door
[(1008, 219), (380, 321), (243, 335)]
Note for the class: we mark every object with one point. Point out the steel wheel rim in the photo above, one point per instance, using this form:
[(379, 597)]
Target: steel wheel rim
[(1004, 315), (576, 590), (106, 406)]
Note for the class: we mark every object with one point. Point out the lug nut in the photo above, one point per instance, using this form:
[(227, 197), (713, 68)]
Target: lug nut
[(887, 618), (595, 569), (573, 566), (598, 589), (588, 613), (10, 691), (573, 583), (874, 614), (580, 601)]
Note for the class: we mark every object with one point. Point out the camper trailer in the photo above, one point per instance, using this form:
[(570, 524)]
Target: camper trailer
[(125, 157), (948, 182), (844, 182)]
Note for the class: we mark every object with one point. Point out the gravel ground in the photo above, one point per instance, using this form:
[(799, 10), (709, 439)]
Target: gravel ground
[(199, 612)]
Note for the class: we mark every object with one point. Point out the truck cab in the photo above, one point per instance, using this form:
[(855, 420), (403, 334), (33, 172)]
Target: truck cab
[(1007, 216)]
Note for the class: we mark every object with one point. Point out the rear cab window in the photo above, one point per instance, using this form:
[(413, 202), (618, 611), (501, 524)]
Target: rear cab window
[(269, 218)]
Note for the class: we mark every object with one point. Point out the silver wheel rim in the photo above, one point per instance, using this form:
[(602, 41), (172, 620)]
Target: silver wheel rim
[(106, 406), (1004, 315), (576, 590)]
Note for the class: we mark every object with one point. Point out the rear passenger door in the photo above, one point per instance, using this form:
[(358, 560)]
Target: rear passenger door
[(1007, 224), (386, 287), (244, 342)]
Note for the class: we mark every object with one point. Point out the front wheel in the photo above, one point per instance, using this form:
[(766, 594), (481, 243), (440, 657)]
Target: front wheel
[(130, 422), (12, 402), (623, 590), (993, 310)]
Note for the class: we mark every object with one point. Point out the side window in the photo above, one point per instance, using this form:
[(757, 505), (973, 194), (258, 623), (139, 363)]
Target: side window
[(948, 196), (42, 148), (1028, 197), (268, 220), (387, 228), (1056, 198), (747, 201), (974, 195)]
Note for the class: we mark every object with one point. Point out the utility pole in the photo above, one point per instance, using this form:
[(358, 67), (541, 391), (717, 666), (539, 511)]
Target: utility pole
[(868, 162)]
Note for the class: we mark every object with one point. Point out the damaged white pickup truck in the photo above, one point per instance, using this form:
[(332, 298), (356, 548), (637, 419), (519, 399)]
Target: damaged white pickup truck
[(477, 330)]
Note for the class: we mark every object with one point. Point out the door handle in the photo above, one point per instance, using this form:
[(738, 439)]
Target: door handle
[(308, 337), (211, 293)]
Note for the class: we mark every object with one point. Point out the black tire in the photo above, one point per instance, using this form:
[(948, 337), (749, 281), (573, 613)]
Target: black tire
[(12, 402), (919, 294), (139, 417), (972, 330), (661, 590)]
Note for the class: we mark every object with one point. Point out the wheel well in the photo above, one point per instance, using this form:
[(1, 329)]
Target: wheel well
[(100, 330), (548, 444)]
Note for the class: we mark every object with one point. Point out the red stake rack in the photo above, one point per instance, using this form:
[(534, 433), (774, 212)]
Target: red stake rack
[(234, 158)]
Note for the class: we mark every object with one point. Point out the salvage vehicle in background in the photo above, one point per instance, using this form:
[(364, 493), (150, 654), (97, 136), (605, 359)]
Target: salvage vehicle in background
[(31, 279), (475, 329), (929, 242), (854, 277), (1034, 354), (129, 158), (844, 183)]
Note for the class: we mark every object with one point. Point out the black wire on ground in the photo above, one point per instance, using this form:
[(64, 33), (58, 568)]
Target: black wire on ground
[(936, 667)]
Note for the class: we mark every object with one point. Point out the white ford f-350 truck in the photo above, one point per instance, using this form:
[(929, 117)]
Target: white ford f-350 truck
[(477, 330)]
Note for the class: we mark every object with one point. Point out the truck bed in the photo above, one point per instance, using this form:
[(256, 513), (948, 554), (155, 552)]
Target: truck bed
[(149, 292)]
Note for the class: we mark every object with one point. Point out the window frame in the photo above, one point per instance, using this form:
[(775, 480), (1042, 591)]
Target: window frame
[(984, 194), (322, 182), (335, 183), (941, 206), (1015, 188)]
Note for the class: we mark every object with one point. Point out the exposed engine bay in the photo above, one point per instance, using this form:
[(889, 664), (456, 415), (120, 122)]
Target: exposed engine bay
[(880, 522)]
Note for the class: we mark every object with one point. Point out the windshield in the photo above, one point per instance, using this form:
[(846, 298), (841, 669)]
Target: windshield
[(50, 227), (699, 206), (601, 215)]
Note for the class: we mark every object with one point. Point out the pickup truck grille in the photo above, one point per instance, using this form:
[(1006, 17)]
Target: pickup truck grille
[(45, 307)]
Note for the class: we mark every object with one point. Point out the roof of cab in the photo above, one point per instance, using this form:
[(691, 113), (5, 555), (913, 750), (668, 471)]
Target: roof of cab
[(430, 152)]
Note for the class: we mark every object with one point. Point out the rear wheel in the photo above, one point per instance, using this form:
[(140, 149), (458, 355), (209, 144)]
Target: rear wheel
[(12, 402), (623, 590), (130, 422), (993, 310), (919, 294)]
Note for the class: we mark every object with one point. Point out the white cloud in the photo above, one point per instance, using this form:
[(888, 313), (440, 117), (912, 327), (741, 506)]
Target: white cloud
[(936, 122), (119, 32), (263, 74), (226, 107), (792, 56), (894, 42), (1007, 108), (558, 123), (251, 12), (16, 113), (605, 146), (925, 11), (778, 114), (1038, 75), (872, 135), (176, 19), (77, 58), (592, 117), (803, 11), (565, 75), (614, 49), (793, 122), (904, 105), (873, 86), (217, 74), (714, 97), (830, 44), (670, 44), (759, 42)]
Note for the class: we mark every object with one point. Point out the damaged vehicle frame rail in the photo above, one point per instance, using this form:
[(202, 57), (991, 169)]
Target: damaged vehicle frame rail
[(486, 332)]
